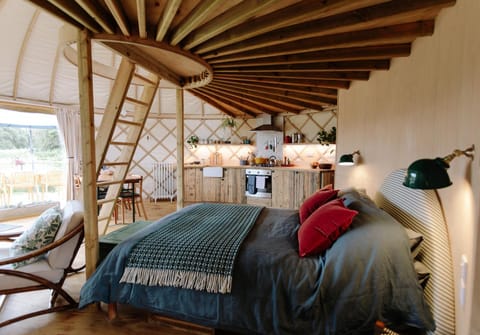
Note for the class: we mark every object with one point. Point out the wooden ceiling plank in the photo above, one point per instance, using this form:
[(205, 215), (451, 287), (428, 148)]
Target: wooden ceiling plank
[(236, 15), (243, 108), (361, 65), (396, 34), (142, 19), (352, 75), (268, 104), (342, 54), (167, 17), (291, 81), (382, 15), (119, 16), (194, 19), (295, 14), (320, 91), (77, 13), (98, 14), (146, 61), (254, 107), (287, 97)]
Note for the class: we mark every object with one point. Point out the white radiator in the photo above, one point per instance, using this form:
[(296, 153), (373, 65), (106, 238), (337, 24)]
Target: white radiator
[(164, 180)]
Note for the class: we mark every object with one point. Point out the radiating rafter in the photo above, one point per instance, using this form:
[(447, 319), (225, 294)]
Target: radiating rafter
[(236, 15), (76, 12), (119, 16), (98, 13), (235, 103), (226, 108), (352, 75), (297, 13), (166, 19), (194, 19), (142, 19)]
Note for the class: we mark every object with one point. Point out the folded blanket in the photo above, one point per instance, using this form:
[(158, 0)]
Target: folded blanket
[(194, 251)]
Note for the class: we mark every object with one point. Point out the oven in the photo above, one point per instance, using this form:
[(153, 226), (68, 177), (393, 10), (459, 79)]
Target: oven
[(258, 183)]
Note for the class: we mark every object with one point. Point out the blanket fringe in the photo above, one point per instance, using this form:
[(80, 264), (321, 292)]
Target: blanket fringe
[(210, 282)]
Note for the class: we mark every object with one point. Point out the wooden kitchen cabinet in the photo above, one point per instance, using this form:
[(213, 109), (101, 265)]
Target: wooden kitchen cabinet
[(233, 186), (291, 188), (192, 184)]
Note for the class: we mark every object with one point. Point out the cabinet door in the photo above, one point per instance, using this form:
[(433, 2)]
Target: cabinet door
[(233, 186), (212, 189), (306, 183), (283, 189), (192, 184)]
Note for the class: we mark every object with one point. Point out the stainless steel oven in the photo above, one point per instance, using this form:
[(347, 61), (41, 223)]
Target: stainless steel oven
[(258, 183)]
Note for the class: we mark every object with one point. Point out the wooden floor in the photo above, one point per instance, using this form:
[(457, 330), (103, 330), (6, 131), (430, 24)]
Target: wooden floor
[(90, 320)]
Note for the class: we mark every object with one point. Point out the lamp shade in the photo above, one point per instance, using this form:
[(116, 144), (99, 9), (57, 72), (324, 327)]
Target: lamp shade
[(427, 174), (346, 160)]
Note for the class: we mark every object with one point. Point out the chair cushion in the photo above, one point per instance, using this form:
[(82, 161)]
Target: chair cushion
[(41, 233), (40, 268), (59, 258)]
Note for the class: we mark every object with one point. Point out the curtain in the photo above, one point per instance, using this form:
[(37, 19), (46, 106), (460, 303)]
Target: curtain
[(69, 126)]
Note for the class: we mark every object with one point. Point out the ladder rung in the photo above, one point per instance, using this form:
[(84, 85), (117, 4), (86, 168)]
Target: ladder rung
[(110, 182), (103, 218), (144, 79), (115, 163), (131, 123), (106, 201), (122, 143), (136, 101)]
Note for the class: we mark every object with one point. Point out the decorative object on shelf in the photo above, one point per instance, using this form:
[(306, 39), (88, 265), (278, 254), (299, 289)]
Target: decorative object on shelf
[(193, 141), (327, 137), (427, 174), (347, 159)]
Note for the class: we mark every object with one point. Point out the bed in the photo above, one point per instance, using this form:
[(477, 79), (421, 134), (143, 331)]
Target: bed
[(366, 275)]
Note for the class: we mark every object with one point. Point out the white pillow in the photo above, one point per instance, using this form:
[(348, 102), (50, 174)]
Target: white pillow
[(41, 233)]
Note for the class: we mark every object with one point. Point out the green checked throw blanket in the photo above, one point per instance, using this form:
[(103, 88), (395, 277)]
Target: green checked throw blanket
[(194, 251)]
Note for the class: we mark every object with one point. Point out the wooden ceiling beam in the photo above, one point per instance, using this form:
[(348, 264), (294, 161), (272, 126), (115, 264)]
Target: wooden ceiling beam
[(76, 12), (320, 91), (251, 105), (239, 105), (382, 15), (55, 11), (295, 14), (397, 34), (224, 107), (194, 19), (117, 12), (269, 104), (291, 81), (361, 65), (343, 54), (168, 14), (234, 16), (295, 99), (99, 14), (344, 76), (148, 62), (142, 19)]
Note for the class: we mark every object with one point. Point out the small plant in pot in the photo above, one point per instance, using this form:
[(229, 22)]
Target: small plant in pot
[(327, 137), (228, 124), (192, 141)]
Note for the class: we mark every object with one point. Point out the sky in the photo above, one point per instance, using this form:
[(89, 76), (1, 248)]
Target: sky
[(28, 119)]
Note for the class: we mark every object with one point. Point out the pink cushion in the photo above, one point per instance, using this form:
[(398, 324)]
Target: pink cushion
[(323, 227), (316, 200)]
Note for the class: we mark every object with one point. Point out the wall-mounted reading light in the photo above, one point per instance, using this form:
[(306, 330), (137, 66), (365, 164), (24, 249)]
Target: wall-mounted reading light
[(347, 159), (429, 174)]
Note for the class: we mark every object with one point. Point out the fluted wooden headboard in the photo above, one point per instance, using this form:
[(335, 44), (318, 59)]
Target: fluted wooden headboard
[(421, 211)]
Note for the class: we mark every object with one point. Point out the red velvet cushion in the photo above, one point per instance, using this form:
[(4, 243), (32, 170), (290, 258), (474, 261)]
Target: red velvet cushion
[(316, 200), (323, 227)]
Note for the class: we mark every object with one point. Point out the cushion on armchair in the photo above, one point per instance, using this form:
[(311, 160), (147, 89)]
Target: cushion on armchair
[(41, 233)]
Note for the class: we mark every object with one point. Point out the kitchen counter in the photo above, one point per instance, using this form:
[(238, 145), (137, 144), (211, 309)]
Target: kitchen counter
[(287, 168)]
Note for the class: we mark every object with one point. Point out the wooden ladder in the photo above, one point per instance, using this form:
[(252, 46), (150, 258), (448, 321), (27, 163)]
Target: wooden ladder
[(114, 123)]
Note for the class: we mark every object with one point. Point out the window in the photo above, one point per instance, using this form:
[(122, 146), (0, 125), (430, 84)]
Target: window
[(32, 159)]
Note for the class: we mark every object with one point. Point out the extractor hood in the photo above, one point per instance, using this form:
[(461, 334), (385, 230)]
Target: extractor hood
[(265, 124)]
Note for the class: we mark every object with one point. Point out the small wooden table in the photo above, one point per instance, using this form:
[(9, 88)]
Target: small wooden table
[(110, 241)]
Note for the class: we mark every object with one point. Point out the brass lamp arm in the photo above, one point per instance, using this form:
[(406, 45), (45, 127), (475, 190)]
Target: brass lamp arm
[(456, 153)]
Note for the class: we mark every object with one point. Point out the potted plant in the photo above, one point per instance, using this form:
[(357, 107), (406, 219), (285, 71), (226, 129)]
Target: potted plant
[(327, 137), (193, 141), (228, 124)]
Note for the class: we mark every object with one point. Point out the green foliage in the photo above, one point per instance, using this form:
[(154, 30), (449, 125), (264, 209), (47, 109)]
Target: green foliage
[(193, 141), (329, 137), (13, 138), (229, 122)]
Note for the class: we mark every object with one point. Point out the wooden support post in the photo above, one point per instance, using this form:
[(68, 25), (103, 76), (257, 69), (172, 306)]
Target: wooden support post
[(89, 181), (180, 148)]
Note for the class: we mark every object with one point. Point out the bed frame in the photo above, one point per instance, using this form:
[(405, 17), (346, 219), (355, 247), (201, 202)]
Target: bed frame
[(421, 211)]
